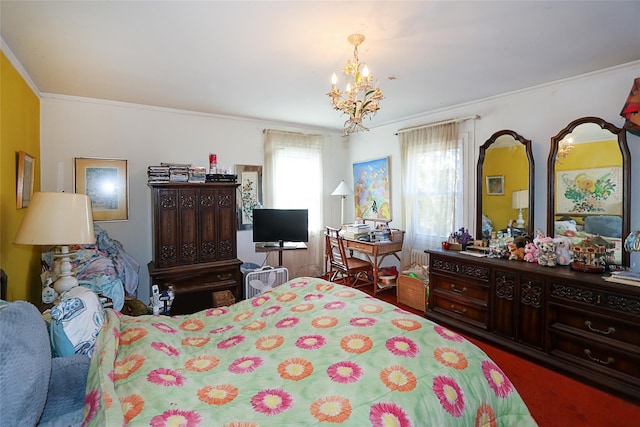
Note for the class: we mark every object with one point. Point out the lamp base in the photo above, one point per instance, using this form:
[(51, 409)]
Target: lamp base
[(64, 283), (520, 220), (66, 280)]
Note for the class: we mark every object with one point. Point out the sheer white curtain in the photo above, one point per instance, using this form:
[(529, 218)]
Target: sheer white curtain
[(431, 160), (293, 180)]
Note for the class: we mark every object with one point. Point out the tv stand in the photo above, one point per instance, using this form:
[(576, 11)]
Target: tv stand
[(280, 246)]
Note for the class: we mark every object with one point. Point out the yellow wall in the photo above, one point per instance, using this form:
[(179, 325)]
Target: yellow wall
[(19, 131), (599, 154), (511, 162)]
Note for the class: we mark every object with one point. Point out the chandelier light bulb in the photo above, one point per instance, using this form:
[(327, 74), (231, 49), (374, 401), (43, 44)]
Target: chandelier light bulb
[(365, 72), (334, 79)]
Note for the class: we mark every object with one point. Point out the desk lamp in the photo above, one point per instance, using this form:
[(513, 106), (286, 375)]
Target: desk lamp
[(58, 219), (343, 191), (520, 200)]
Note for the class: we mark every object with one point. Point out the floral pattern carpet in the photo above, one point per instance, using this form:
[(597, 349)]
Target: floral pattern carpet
[(308, 353)]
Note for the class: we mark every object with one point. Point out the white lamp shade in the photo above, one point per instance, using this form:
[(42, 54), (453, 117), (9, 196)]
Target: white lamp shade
[(342, 190), (520, 199), (57, 219)]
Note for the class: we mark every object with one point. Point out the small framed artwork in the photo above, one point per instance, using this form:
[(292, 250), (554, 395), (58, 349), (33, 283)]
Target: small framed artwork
[(106, 182), (495, 185), (26, 176), (250, 177)]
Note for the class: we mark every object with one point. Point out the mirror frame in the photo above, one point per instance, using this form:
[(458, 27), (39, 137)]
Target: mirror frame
[(626, 174), (480, 180)]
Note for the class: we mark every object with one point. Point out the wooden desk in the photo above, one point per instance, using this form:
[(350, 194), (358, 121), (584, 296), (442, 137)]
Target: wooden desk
[(288, 246), (376, 252)]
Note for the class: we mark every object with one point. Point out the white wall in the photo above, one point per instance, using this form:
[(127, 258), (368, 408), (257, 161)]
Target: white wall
[(537, 114), (79, 127), (76, 127)]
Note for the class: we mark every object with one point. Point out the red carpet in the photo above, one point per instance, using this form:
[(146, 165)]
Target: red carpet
[(553, 399)]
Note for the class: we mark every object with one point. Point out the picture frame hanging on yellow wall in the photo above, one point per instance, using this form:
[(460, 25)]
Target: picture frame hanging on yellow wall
[(26, 178), (495, 185), (106, 182)]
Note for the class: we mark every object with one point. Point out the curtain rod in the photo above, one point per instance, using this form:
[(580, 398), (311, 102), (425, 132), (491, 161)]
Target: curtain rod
[(441, 122), (288, 132)]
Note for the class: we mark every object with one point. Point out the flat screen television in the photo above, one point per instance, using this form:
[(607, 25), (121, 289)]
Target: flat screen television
[(276, 227)]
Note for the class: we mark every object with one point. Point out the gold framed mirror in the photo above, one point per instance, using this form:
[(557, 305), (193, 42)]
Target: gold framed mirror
[(588, 174), (505, 188)]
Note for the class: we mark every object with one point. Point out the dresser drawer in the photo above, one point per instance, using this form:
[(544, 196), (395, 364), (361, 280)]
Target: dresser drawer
[(595, 355), (198, 281), (194, 285), (462, 269), (461, 309), (464, 290), (617, 304), (594, 324)]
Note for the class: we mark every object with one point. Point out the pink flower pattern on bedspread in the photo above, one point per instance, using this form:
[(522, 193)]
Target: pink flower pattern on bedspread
[(309, 352)]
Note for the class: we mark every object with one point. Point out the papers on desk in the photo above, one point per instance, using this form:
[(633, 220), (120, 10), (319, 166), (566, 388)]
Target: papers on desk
[(356, 231)]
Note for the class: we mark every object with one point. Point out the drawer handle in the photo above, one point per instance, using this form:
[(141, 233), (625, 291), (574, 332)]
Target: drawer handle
[(611, 329), (458, 290), (609, 361), (463, 311), (225, 276)]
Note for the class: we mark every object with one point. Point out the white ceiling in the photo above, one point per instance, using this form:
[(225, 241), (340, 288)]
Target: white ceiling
[(273, 60)]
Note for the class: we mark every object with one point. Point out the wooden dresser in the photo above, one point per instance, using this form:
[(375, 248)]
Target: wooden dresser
[(194, 242), (573, 322)]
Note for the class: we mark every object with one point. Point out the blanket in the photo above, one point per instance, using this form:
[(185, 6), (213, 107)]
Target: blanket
[(309, 352)]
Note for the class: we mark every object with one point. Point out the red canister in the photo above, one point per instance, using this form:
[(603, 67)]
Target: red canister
[(213, 163)]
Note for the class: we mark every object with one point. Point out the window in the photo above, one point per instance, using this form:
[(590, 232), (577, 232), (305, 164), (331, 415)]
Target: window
[(433, 186), (293, 180)]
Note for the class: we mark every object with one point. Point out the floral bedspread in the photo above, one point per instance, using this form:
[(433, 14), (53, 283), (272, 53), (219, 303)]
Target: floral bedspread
[(308, 353)]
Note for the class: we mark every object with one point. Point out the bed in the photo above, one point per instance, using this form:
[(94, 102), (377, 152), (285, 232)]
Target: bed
[(608, 227), (309, 352)]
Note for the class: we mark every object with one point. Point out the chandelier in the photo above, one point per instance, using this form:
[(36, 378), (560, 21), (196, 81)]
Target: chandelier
[(360, 98)]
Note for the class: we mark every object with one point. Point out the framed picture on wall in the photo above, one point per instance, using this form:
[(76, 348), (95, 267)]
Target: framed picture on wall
[(372, 193), (26, 177), (250, 189), (495, 185), (589, 191), (106, 182)]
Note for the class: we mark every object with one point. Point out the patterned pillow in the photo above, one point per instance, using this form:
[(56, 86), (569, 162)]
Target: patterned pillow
[(76, 322)]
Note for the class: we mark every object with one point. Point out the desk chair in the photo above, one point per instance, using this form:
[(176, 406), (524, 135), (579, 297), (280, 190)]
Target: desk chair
[(349, 270)]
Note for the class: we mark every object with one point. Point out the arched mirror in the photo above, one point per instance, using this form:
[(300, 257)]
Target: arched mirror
[(589, 184), (505, 185)]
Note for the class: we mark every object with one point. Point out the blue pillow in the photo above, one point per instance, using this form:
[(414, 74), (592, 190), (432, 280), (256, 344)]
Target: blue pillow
[(604, 225)]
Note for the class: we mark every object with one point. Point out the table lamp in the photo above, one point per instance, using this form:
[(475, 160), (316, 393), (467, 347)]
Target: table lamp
[(343, 191), (58, 219), (520, 200)]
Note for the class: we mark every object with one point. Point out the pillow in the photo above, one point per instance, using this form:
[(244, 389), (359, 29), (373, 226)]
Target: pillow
[(25, 361), (604, 225), (487, 225), (566, 227), (76, 322)]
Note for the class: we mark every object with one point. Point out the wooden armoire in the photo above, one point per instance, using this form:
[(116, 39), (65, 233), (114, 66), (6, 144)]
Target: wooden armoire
[(194, 243)]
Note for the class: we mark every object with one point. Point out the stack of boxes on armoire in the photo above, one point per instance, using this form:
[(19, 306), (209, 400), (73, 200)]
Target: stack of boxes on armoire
[(174, 172)]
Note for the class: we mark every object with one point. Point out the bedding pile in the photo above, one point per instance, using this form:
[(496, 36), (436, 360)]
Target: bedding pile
[(309, 352), (105, 267)]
